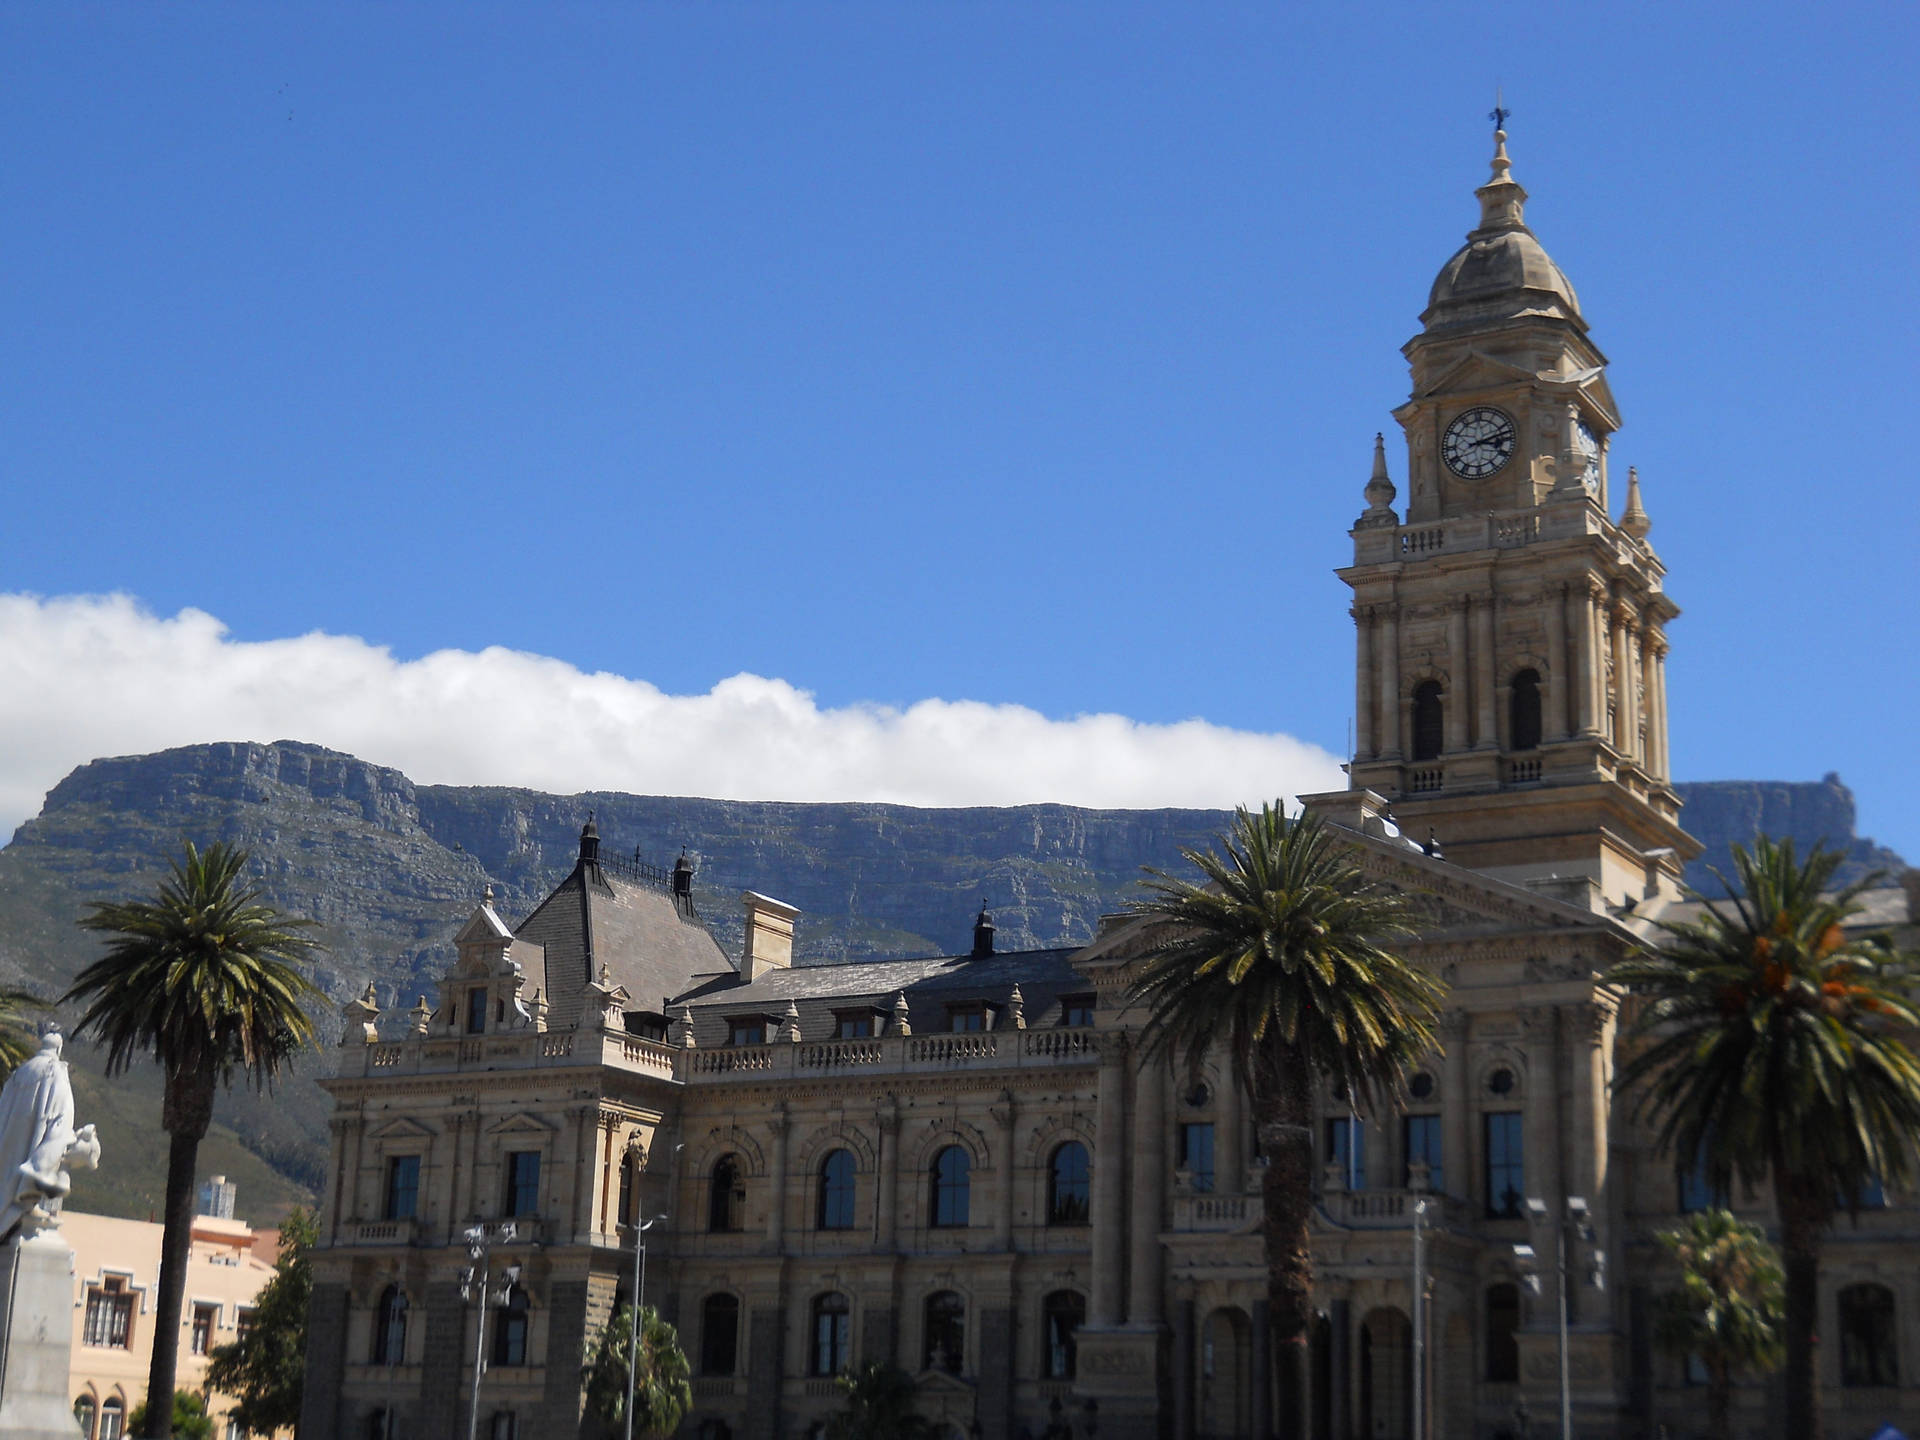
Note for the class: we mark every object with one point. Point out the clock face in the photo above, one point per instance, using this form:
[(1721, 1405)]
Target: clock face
[(1587, 454), (1478, 442)]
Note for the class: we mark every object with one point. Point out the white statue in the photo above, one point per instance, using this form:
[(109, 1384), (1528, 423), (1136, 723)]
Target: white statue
[(38, 1144)]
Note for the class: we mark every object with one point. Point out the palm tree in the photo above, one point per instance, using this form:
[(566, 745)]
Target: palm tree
[(1279, 952), (204, 979), (1772, 1052), (17, 1041), (1727, 1308), (664, 1394), (880, 1406)]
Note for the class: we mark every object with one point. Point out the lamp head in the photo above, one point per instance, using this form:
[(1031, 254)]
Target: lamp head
[(1536, 1208)]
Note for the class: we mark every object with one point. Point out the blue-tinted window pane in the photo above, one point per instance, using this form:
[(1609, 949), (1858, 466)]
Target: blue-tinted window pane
[(836, 1191), (1423, 1143), (832, 1334), (1069, 1186), (952, 1171), (476, 1010), (1196, 1155), (523, 1183), (1506, 1172), (403, 1187), (1347, 1148), (1697, 1192)]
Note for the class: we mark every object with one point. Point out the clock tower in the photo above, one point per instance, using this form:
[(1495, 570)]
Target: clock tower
[(1510, 697)]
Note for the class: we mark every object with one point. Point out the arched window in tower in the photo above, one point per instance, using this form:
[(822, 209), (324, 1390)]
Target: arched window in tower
[(390, 1328), (951, 1183), (836, 1191), (1868, 1354), (727, 1199), (1069, 1185), (1523, 711), (719, 1334), (1429, 721)]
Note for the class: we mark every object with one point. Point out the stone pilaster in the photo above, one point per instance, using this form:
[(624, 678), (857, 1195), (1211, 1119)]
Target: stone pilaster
[(1556, 703), (1109, 1175), (1457, 670), (326, 1362), (1146, 1275), (1455, 1148), (1486, 723), (1003, 1117), (1389, 670), (886, 1119), (777, 1179)]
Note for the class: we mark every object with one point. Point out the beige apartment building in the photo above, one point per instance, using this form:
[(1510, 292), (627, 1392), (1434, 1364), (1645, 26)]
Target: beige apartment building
[(116, 1267), (959, 1164)]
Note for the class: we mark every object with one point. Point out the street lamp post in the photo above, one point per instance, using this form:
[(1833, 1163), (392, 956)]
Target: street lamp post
[(1419, 1320), (639, 1300), (1580, 1219), (475, 1284)]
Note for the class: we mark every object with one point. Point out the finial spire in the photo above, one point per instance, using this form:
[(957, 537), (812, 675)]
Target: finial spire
[(1502, 197), (1498, 115), (1380, 490), (1634, 519)]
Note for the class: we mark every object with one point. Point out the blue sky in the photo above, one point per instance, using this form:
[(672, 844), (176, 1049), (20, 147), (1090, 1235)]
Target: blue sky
[(1021, 354)]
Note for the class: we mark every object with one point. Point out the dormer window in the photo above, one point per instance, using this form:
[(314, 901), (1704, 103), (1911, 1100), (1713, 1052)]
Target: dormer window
[(747, 1030), (477, 1010), (855, 1024), (964, 1018), (1076, 1011), (647, 1024)]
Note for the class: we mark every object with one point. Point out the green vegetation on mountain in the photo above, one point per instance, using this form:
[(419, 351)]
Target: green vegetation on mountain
[(389, 868)]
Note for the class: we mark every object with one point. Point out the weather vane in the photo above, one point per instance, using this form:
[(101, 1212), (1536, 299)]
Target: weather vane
[(1499, 113)]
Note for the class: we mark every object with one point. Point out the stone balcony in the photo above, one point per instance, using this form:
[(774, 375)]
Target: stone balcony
[(897, 1054), (1392, 1209), (529, 1049)]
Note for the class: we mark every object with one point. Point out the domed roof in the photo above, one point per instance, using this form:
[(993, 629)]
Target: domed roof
[(1502, 272)]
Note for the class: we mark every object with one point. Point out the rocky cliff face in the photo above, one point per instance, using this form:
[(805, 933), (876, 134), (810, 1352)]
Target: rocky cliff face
[(389, 869)]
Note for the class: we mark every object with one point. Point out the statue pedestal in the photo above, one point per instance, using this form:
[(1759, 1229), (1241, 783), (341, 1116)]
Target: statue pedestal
[(36, 1338)]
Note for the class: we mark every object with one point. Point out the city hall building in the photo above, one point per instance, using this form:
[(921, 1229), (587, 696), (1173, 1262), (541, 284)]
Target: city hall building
[(960, 1164)]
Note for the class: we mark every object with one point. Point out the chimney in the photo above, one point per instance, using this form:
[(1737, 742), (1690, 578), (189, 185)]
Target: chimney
[(982, 932), (769, 940)]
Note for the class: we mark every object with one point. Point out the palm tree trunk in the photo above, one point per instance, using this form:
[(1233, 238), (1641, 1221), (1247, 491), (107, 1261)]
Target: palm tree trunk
[(1284, 1101), (1719, 1400), (1804, 1210), (185, 1113)]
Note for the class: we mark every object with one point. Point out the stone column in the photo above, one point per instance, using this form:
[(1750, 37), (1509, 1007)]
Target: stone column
[(1389, 668), (1654, 760), (1542, 1130), (1660, 702), (1180, 1368), (1456, 713), (1456, 1155), (1488, 737), (1003, 1115), (1146, 1287), (1636, 694), (1109, 1174), (1363, 741), (1340, 1362), (886, 1205), (1589, 1028), (335, 1210), (1622, 682), (1588, 701), (1230, 1133), (777, 1179), (1554, 704)]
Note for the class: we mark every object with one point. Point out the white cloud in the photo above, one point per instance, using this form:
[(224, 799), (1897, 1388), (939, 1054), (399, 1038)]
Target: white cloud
[(86, 676)]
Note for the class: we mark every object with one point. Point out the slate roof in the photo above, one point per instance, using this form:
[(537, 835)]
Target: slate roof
[(651, 941), (931, 985)]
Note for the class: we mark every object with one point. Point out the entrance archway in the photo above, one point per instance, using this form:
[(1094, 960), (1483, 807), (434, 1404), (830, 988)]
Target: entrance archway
[(1226, 1375), (1386, 1375)]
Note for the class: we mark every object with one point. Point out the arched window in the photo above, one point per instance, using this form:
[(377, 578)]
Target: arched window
[(1503, 1328), (1061, 1314), (1867, 1352), (83, 1412), (720, 1335), (390, 1327), (510, 1330), (832, 1333), (1429, 721), (1523, 711), (113, 1419), (1068, 1186), (946, 1332), (952, 1171), (836, 1191), (628, 1201), (727, 1200)]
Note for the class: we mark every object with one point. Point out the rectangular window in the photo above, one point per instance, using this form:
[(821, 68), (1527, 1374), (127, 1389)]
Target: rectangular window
[(1697, 1192), (403, 1187), (1196, 1155), (523, 1183), (853, 1024), (1423, 1143), (1347, 1148), (747, 1030), (109, 1317), (477, 1010), (967, 1017), (1076, 1010), (1506, 1174), (202, 1337), (243, 1322)]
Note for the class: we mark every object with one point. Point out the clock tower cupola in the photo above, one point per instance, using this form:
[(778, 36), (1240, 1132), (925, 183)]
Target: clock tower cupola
[(1511, 642)]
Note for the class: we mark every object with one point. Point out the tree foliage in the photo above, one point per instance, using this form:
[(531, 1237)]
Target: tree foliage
[(880, 1402), (1280, 952), (18, 1042), (207, 981), (190, 1418), (265, 1369), (1771, 1047), (1727, 1309), (664, 1395)]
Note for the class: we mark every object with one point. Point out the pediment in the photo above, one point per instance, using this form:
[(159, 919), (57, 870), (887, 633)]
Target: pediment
[(939, 1382), (403, 1128), (1477, 370), (520, 1123), (483, 926)]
